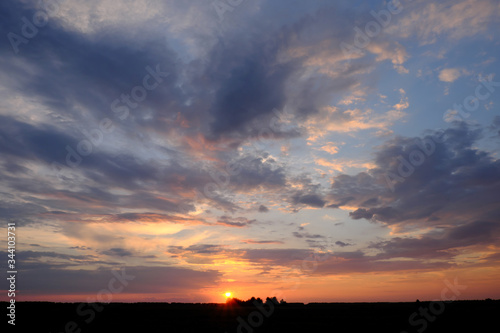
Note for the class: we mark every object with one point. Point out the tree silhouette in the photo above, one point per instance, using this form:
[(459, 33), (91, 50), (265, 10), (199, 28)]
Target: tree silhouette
[(253, 301)]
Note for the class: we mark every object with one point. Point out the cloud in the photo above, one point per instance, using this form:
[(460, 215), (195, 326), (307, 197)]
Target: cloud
[(390, 51), (357, 262), (28, 255), (143, 280), (117, 252), (448, 19), (207, 253), (330, 148), (306, 235), (282, 257), (449, 74), (151, 161), (258, 171), (342, 164), (403, 103), (444, 244), (200, 254), (432, 196), (263, 209), (252, 241), (238, 222), (335, 120), (33, 260), (304, 192), (258, 90), (21, 140), (253, 88), (203, 248), (311, 200)]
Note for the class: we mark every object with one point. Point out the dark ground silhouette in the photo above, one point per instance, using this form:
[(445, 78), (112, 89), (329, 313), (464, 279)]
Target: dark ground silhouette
[(243, 316)]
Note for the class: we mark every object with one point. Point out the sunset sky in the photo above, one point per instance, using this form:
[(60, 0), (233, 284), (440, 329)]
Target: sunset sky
[(313, 150)]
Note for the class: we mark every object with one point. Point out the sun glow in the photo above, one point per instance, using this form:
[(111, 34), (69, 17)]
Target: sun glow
[(228, 294)]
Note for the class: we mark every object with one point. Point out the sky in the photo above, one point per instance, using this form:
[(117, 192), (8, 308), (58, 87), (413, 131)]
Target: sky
[(173, 151)]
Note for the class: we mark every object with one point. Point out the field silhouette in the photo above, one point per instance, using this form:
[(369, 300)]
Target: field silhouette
[(255, 315)]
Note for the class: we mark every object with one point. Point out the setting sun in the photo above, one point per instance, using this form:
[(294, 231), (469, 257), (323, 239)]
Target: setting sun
[(228, 294)]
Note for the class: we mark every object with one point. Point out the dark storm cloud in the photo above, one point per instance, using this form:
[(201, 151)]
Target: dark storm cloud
[(252, 88), (387, 212), (256, 171), (453, 191), (250, 83), (312, 200), (306, 235), (80, 248), (260, 73), (434, 190), (370, 202), (482, 230), (310, 194), (117, 252), (196, 249), (263, 209), (238, 222)]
